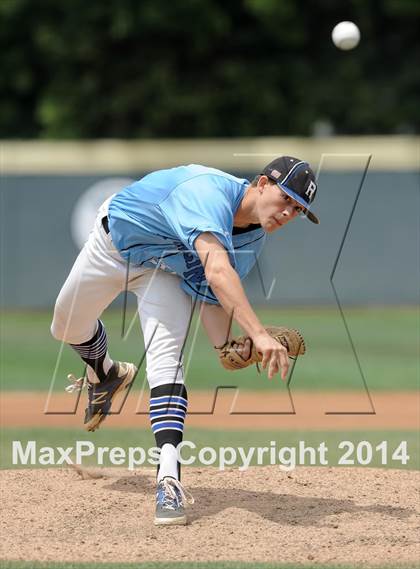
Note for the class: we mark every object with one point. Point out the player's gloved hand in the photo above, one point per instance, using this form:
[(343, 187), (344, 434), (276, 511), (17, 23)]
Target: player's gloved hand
[(271, 348)]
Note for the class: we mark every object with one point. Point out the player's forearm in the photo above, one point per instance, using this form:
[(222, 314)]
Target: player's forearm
[(228, 289), (216, 323)]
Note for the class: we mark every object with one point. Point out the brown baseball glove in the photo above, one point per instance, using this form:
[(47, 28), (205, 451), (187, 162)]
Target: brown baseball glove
[(230, 353)]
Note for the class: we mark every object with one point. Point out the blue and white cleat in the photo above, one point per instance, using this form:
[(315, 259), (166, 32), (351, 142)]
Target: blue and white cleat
[(171, 499)]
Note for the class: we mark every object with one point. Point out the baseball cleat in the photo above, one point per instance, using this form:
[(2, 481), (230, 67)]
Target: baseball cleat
[(171, 500), (100, 395)]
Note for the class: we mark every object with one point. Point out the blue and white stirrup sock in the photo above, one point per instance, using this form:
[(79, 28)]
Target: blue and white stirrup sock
[(94, 353), (168, 408)]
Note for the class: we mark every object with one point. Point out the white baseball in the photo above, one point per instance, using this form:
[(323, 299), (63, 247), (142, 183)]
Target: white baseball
[(346, 35)]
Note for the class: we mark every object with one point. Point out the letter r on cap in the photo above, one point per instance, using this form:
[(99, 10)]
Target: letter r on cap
[(310, 190)]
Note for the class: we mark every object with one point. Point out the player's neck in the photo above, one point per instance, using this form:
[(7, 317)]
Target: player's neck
[(246, 214)]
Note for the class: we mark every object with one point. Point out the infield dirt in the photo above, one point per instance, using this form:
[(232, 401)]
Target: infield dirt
[(337, 515)]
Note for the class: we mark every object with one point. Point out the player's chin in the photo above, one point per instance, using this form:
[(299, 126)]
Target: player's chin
[(271, 226)]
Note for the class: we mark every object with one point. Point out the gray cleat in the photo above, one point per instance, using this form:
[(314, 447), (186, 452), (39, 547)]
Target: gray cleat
[(170, 503)]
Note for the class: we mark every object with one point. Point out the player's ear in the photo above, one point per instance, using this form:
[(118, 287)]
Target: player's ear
[(262, 182)]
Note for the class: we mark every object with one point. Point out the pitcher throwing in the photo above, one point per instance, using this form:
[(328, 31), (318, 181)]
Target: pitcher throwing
[(175, 236)]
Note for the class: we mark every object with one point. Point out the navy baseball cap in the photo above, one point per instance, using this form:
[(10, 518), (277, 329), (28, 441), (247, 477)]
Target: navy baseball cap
[(296, 178)]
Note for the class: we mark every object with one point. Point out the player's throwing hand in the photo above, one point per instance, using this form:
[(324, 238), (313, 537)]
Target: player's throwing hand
[(273, 354)]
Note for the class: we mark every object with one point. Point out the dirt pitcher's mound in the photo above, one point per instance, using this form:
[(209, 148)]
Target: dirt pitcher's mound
[(263, 514)]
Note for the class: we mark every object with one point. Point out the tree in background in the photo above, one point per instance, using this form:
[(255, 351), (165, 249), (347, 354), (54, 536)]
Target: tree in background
[(204, 68)]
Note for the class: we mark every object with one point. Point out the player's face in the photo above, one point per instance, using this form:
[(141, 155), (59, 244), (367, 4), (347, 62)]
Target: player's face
[(275, 207)]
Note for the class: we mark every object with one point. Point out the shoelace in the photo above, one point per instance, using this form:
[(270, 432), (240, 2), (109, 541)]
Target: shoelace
[(169, 485), (76, 384)]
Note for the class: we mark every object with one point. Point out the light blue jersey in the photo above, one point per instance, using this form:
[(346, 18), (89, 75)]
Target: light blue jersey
[(154, 223)]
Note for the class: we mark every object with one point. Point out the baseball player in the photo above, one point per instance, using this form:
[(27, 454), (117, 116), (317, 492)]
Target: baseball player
[(177, 236)]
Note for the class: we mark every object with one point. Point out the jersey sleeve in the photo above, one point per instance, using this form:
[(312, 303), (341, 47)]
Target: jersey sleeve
[(199, 205)]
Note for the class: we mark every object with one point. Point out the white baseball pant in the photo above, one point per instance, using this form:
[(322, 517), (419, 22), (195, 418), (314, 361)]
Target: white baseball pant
[(98, 275)]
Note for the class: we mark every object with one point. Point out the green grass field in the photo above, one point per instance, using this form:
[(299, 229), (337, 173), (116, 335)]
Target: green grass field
[(220, 438), (386, 341)]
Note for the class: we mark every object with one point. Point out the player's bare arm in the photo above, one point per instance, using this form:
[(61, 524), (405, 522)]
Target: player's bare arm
[(216, 322), (227, 287)]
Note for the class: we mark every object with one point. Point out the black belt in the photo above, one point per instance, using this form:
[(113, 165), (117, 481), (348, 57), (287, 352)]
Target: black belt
[(105, 224)]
